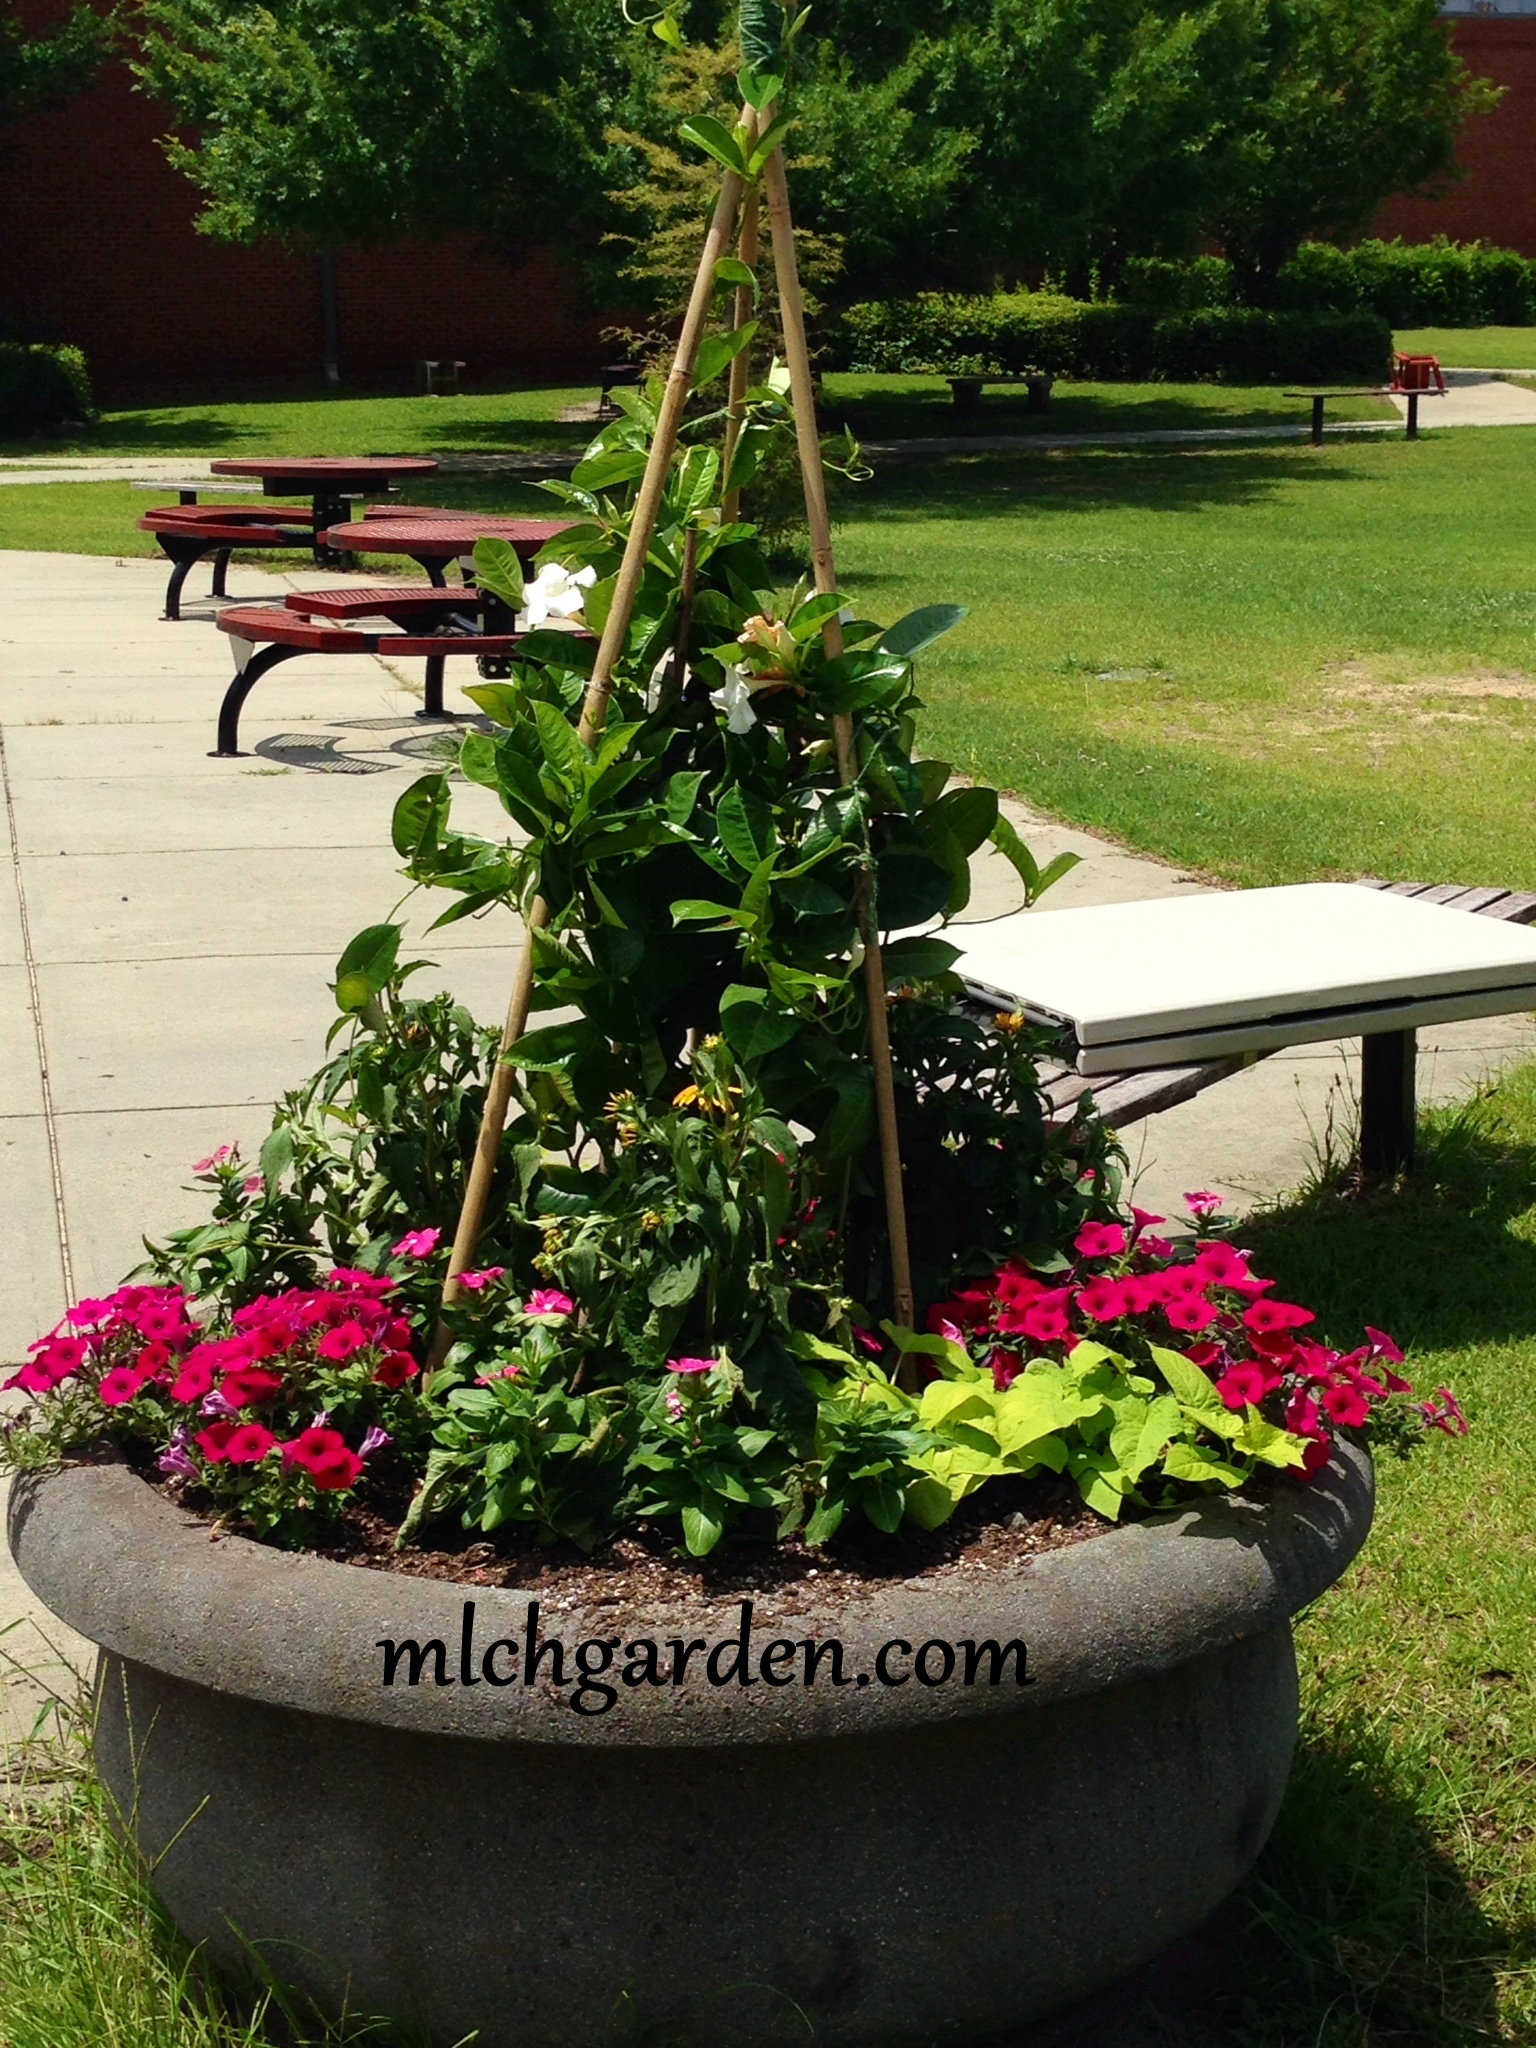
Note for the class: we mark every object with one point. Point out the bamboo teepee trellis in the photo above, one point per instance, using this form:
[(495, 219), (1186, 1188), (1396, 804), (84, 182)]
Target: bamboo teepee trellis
[(737, 208)]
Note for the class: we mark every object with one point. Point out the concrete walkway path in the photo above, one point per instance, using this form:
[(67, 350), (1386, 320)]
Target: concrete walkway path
[(1475, 398), (169, 924)]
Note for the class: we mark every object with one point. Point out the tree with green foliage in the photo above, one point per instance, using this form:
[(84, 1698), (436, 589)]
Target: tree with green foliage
[(342, 120), (957, 143), (39, 71)]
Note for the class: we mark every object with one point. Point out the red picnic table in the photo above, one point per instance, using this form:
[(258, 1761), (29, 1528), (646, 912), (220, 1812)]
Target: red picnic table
[(434, 539), (188, 531), (327, 480)]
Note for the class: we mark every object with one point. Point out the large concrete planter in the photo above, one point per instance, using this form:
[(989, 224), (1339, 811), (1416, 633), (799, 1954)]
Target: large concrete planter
[(701, 1867)]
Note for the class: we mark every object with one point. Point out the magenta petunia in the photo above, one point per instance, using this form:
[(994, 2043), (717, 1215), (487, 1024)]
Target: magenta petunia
[(395, 1368), (417, 1244), (690, 1365), (1267, 1318), (1100, 1240), (1191, 1313), (325, 1457), (122, 1384), (249, 1385), (248, 1443), (1241, 1385), (1103, 1299)]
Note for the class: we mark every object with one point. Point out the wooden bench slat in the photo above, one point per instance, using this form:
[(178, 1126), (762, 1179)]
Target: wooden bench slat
[(1515, 908)]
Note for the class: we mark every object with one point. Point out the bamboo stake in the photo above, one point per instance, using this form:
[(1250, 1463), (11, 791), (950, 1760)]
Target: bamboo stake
[(594, 712), (797, 356), (741, 367)]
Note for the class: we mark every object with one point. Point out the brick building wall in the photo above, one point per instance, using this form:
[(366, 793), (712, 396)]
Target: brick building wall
[(1496, 201), (97, 247)]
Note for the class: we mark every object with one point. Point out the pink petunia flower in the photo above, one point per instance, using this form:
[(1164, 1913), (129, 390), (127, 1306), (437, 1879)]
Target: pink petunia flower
[(1103, 1299), (417, 1244), (1382, 1346), (1241, 1384), (217, 1159), (1221, 1264), (1444, 1412), (1191, 1312), (374, 1439), (486, 1277), (1100, 1240), (122, 1384), (1142, 1218), (1006, 1367), (250, 1384), (324, 1456), (1268, 1317), (1346, 1405), (691, 1365), (1203, 1202), (1046, 1319), (342, 1342), (395, 1368)]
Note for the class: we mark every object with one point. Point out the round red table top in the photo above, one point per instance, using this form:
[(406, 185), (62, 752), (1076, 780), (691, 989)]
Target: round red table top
[(303, 470), (439, 536)]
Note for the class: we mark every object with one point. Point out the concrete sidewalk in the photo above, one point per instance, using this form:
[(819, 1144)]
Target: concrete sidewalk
[(169, 924)]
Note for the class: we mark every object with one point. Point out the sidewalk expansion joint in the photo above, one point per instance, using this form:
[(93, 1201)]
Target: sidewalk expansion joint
[(35, 1002)]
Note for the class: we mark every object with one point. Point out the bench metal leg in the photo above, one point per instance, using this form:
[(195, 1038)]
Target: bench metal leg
[(1413, 415), (1388, 1106), (220, 572), (235, 696), (432, 706), (1317, 420), (183, 556)]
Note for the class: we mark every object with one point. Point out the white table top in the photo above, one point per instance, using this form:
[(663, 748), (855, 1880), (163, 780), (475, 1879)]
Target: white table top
[(1183, 978)]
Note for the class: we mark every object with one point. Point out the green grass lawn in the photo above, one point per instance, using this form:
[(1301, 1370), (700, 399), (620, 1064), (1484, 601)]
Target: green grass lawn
[(494, 422), (477, 422), (1266, 661), (1473, 348), (1272, 663), (1396, 1904)]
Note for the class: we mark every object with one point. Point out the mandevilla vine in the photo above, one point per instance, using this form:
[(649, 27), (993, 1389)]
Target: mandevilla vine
[(681, 1309)]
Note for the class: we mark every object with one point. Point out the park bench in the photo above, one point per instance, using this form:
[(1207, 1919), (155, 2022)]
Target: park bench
[(966, 391), (1413, 378), (434, 624), (188, 532), (1129, 1094)]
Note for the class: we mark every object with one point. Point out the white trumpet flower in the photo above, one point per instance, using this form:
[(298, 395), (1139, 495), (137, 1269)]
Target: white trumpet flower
[(557, 593), (735, 700)]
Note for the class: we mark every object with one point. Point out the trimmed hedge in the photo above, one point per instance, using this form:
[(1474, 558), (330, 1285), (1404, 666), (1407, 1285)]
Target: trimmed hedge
[(42, 385), (1408, 284), (1414, 284), (1011, 332)]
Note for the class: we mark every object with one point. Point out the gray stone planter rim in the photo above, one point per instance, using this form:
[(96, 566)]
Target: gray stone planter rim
[(132, 1572)]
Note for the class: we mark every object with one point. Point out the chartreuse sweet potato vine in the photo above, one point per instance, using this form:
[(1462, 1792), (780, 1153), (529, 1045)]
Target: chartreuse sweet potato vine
[(682, 1310)]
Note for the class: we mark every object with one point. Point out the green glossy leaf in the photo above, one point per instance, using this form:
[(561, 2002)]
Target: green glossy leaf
[(617, 466), (761, 27), (498, 570), (745, 828), (918, 959), (420, 815), (730, 270), (716, 140), (716, 353), (365, 968), (759, 88), (921, 628), (702, 1529), (562, 748), (968, 815), (752, 1024)]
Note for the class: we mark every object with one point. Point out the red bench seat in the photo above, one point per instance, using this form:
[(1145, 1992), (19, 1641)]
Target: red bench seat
[(280, 633), (188, 532)]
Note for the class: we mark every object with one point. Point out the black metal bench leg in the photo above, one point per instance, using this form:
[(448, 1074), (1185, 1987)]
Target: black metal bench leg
[(1413, 415), (1317, 421), (432, 706), (1388, 1105), (220, 571), (234, 697), (183, 559)]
